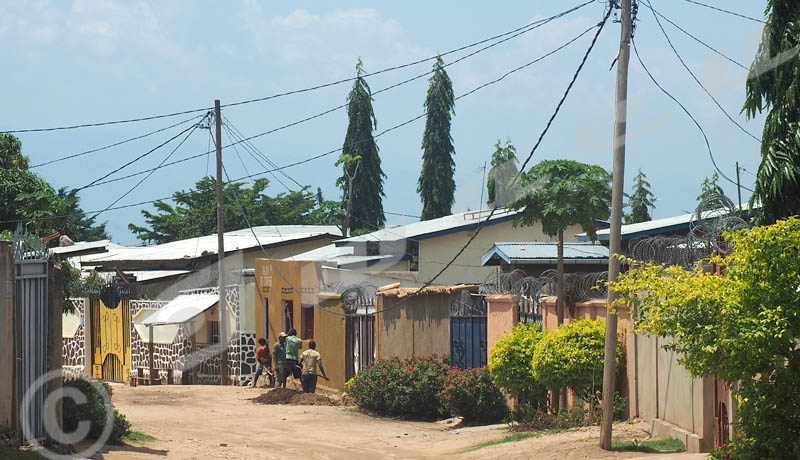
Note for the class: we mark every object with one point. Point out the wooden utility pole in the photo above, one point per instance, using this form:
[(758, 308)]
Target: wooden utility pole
[(614, 246), (223, 316), (738, 188)]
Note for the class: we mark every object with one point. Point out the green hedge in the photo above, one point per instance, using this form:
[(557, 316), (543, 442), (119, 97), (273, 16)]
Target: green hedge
[(95, 410)]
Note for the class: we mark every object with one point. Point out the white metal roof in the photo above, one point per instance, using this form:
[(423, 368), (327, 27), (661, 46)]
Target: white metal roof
[(343, 256), (181, 309), (196, 247), (534, 252), (428, 228)]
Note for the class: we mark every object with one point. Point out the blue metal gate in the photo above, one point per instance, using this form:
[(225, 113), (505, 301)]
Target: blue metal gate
[(468, 333)]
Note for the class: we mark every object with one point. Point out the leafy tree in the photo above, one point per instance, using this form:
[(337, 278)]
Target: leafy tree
[(773, 86), (195, 211), (436, 185), (640, 201), (351, 165), (504, 171), (76, 224), (367, 190), (559, 194), (710, 187), (28, 199), (742, 327)]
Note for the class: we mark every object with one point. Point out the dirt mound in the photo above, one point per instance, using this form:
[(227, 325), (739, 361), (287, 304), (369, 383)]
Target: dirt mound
[(294, 398)]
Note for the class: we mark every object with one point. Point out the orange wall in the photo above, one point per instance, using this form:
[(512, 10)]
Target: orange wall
[(278, 281)]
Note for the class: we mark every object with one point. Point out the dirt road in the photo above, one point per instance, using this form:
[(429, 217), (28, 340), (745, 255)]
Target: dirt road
[(208, 422)]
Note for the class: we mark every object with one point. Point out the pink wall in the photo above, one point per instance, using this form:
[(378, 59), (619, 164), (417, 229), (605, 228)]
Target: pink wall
[(501, 316)]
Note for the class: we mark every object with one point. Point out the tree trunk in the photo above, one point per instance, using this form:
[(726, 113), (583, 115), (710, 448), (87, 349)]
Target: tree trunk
[(562, 393), (346, 225), (561, 287)]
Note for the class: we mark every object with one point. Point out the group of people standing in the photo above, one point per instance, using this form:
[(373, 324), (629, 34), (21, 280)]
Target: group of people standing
[(289, 362)]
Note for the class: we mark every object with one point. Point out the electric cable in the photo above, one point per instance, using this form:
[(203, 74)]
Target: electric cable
[(330, 152), (726, 11), (303, 90), (702, 131), (130, 190), (690, 35), (190, 128), (98, 149), (697, 80)]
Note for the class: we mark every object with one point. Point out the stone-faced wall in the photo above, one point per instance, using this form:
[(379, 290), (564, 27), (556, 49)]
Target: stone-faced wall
[(73, 354), (200, 363)]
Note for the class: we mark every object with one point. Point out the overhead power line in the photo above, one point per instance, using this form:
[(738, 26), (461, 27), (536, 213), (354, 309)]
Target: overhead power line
[(338, 149), (734, 61), (98, 149), (321, 155), (298, 91), (702, 131), (697, 80), (727, 11)]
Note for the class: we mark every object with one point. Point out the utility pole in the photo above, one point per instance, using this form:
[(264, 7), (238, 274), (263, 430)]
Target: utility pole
[(223, 316), (738, 188), (615, 246)]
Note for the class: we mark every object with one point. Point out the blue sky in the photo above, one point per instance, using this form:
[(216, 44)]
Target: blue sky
[(94, 60)]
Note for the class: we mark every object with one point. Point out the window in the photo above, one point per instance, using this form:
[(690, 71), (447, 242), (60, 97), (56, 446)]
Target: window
[(373, 248), (412, 250), (213, 331), (307, 320), (288, 315)]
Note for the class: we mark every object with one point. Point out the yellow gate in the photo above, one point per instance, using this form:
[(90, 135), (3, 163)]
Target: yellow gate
[(111, 340)]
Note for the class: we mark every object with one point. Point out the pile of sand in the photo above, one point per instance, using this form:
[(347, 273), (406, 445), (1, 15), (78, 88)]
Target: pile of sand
[(294, 398)]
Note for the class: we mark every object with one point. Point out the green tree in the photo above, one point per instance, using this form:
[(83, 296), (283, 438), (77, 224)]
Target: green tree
[(710, 187), (502, 174), (195, 211), (436, 185), (76, 224), (26, 198), (560, 194), (366, 193), (641, 201), (773, 86), (742, 327)]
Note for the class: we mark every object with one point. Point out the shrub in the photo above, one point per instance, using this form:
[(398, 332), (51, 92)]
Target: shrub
[(572, 357), (94, 411), (511, 366), (470, 394), (738, 448), (408, 387)]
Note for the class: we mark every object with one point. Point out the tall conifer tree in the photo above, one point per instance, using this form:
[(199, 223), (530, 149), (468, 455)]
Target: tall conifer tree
[(436, 185), (366, 213)]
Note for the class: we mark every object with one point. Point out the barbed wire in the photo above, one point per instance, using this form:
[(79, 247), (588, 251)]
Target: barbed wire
[(715, 216)]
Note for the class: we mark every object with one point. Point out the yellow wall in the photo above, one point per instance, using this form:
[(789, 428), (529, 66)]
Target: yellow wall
[(329, 329), (436, 252)]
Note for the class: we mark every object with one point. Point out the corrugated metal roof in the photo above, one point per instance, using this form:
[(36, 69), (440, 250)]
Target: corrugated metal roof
[(343, 256), (543, 252), (428, 228), (196, 247)]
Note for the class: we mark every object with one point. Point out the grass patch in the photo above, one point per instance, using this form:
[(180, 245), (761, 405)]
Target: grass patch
[(11, 453), (137, 436), (650, 447), (511, 438)]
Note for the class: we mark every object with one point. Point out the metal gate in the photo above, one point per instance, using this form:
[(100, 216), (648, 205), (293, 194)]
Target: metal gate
[(362, 342), (468, 332), (31, 304), (111, 339)]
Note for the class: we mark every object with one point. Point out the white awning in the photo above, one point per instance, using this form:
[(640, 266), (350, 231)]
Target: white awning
[(181, 309)]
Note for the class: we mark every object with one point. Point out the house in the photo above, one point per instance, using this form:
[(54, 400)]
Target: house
[(536, 258), (160, 268), (420, 250), (333, 306)]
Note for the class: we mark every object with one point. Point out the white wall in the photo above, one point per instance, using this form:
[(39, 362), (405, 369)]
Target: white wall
[(434, 253)]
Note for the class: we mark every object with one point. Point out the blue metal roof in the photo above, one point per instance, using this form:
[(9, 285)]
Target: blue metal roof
[(532, 252)]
